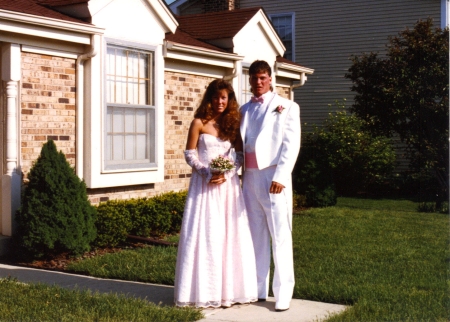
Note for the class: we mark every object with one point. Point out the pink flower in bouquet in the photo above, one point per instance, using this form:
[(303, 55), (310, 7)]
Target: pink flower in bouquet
[(221, 164)]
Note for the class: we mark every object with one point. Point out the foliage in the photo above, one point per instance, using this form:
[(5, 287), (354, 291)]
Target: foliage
[(113, 223), (55, 215), (146, 217), (432, 207), (313, 179), (159, 215), (407, 93), (344, 155)]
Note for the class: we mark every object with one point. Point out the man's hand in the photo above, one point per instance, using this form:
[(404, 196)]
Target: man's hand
[(276, 187)]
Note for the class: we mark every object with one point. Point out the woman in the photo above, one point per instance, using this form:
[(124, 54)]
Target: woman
[(216, 262)]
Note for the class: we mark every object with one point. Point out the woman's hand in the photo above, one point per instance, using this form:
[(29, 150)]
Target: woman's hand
[(218, 178)]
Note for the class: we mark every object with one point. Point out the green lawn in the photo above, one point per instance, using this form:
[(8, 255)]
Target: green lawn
[(39, 302), (381, 257)]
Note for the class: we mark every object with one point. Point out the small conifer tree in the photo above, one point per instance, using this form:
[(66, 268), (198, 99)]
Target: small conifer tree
[(56, 215)]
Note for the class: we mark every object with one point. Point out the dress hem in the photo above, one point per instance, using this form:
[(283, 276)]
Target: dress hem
[(216, 304)]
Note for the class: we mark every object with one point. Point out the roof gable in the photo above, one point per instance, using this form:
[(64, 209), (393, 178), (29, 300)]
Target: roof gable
[(33, 7), (216, 25), (221, 29), (145, 21)]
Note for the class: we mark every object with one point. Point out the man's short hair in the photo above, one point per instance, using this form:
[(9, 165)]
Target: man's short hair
[(260, 66)]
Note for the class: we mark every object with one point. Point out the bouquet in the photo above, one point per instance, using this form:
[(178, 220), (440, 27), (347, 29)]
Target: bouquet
[(221, 164)]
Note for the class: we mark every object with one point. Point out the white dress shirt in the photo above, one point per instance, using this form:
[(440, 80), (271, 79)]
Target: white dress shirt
[(256, 112)]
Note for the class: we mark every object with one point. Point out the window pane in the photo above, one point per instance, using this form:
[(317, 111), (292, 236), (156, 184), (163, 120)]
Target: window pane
[(141, 120), (108, 152), (117, 147), (129, 120), (117, 122), (129, 147), (110, 67), (246, 90), (140, 143)]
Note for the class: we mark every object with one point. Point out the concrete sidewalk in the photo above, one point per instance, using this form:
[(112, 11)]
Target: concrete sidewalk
[(300, 310)]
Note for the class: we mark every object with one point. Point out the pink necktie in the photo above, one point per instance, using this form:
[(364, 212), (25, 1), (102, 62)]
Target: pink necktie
[(257, 99)]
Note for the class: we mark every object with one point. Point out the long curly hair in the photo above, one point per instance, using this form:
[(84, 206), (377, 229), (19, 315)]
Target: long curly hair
[(229, 119)]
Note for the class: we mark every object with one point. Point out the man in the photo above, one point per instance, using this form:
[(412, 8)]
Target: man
[(270, 128)]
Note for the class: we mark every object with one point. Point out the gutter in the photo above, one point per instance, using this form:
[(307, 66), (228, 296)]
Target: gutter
[(49, 22), (79, 103), (198, 51)]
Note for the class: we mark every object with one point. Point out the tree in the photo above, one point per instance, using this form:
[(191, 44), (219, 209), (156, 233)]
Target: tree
[(406, 93), (55, 215)]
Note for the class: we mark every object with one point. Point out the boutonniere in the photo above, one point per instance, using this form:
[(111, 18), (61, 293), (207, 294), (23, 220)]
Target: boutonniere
[(279, 109)]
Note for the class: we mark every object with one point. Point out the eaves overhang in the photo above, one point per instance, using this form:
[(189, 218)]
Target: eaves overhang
[(200, 55), (26, 24), (291, 71)]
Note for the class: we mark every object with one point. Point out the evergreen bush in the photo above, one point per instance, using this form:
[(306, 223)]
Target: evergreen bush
[(174, 204), (145, 217), (113, 222), (56, 215)]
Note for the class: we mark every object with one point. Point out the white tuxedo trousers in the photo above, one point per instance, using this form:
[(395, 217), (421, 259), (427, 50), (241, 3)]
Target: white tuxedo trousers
[(268, 218)]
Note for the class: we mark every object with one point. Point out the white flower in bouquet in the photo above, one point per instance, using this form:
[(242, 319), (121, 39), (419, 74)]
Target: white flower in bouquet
[(221, 164)]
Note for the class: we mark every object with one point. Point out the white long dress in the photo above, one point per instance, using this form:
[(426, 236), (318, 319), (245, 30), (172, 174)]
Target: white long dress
[(216, 262)]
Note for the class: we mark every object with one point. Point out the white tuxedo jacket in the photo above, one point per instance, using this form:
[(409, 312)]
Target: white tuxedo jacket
[(278, 141)]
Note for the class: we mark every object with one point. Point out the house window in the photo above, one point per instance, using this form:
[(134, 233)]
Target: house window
[(246, 92), (284, 25), (130, 111)]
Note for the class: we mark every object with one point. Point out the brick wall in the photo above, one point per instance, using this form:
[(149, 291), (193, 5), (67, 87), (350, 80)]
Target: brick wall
[(182, 95), (283, 92), (47, 106)]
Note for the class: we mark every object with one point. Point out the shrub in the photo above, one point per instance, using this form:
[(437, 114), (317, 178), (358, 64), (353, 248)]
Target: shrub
[(55, 215), (113, 223), (174, 203), (313, 177), (341, 156), (146, 217)]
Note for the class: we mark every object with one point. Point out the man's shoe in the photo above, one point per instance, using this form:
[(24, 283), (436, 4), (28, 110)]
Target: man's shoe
[(281, 310), (281, 306), (261, 300)]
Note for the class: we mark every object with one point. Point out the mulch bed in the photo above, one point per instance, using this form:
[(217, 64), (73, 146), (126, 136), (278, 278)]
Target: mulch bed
[(59, 262)]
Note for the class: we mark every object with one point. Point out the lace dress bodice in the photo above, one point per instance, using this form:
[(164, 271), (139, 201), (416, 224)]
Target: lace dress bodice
[(210, 147)]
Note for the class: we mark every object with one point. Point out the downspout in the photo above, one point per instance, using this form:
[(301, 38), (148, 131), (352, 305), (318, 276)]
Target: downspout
[(292, 87), (79, 103), (230, 77)]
